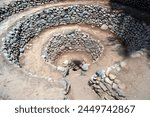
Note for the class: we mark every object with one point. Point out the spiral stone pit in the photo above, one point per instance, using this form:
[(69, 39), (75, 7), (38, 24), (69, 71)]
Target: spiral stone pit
[(131, 33)]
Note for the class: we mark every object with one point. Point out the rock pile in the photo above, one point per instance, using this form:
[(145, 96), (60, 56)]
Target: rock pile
[(132, 31), (72, 41), (106, 84), (20, 5)]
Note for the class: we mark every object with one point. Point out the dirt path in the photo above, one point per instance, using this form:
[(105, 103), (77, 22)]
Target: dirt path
[(79, 87)]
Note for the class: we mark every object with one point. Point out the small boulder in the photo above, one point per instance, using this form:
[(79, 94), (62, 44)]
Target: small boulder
[(118, 68), (123, 64), (100, 73), (59, 68), (136, 55), (120, 93), (66, 62), (85, 67), (112, 76), (104, 27)]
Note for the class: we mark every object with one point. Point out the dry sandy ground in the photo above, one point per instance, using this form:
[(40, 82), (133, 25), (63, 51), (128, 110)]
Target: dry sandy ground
[(37, 80), (137, 78)]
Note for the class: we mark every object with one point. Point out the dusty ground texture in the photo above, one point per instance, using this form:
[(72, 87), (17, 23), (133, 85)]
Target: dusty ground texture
[(37, 80)]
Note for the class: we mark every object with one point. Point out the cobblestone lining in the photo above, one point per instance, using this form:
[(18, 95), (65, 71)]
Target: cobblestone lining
[(72, 41), (20, 5), (133, 32)]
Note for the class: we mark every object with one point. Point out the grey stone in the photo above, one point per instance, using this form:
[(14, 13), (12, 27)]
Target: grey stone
[(85, 67), (101, 73), (67, 86), (62, 69), (120, 92), (66, 72), (135, 55), (66, 63), (104, 27)]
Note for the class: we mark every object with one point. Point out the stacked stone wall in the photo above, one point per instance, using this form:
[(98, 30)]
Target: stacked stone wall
[(133, 32), (20, 5)]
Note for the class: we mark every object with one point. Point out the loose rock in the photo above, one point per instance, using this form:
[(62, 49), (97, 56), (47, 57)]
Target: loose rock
[(120, 92), (62, 69), (104, 27), (123, 64), (101, 73), (112, 76), (85, 67), (115, 86)]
